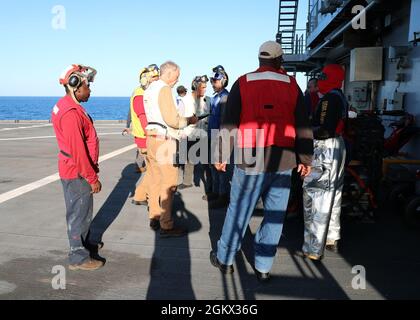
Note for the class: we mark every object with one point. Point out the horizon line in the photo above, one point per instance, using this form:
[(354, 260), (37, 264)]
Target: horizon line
[(61, 96)]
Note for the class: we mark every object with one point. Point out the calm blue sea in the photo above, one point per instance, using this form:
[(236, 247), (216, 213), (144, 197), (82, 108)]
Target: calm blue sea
[(39, 108)]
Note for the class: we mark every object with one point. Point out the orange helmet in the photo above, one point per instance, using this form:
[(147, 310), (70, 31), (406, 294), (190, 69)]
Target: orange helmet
[(75, 74)]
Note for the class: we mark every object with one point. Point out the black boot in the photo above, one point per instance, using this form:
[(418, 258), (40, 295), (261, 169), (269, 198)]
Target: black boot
[(225, 269), (210, 196)]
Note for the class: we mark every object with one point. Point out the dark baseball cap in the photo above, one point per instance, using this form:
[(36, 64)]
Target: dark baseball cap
[(181, 89)]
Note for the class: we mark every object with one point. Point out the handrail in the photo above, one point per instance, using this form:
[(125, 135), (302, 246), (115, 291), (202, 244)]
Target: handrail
[(313, 18), (300, 41)]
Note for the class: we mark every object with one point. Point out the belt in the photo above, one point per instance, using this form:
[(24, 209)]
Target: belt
[(160, 126), (157, 124)]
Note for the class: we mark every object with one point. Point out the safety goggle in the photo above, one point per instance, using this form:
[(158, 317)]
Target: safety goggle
[(219, 69), (322, 76), (153, 67), (202, 79), (150, 71), (87, 73)]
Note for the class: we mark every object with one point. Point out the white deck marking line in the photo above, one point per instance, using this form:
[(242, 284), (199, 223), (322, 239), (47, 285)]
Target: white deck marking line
[(27, 138), (50, 137), (27, 127), (102, 125), (50, 179)]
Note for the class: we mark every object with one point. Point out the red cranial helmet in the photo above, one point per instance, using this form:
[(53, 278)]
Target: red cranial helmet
[(331, 77)]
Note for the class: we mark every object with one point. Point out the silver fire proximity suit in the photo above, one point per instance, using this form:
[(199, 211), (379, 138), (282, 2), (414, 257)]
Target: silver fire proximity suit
[(322, 195), (322, 189)]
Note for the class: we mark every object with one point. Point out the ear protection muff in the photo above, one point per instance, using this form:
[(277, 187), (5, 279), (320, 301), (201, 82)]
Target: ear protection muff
[(144, 81), (194, 85), (225, 80), (74, 81)]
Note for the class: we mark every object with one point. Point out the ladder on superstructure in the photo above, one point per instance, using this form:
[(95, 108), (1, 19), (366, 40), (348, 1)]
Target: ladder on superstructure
[(287, 25)]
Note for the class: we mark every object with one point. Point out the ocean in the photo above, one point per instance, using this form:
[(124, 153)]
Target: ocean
[(39, 108)]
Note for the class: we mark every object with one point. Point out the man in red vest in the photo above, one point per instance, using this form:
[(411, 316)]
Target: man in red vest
[(77, 161), (266, 115)]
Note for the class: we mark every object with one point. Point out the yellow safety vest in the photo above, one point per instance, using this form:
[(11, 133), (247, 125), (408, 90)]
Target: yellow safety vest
[(138, 131)]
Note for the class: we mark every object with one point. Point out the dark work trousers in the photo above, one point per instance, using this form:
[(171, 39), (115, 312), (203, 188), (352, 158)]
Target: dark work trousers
[(79, 206), (198, 172)]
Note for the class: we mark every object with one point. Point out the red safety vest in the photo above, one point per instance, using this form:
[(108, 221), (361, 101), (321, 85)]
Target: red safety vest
[(269, 99), (66, 164)]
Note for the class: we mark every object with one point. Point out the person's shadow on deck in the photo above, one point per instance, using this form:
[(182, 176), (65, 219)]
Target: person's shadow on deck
[(320, 284), (170, 270), (112, 206)]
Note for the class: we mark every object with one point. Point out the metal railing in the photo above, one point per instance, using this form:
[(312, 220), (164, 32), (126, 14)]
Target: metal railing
[(319, 10), (313, 15), (300, 41)]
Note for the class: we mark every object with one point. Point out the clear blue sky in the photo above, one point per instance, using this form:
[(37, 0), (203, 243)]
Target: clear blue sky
[(120, 37)]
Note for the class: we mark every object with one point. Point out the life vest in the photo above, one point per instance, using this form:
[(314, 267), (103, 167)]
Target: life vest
[(138, 131), (269, 99), (151, 106), (63, 106)]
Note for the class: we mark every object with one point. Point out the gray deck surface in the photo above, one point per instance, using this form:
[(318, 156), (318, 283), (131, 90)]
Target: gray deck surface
[(140, 265)]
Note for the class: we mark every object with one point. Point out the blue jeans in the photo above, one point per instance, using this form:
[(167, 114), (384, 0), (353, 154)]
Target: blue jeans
[(79, 205), (274, 188)]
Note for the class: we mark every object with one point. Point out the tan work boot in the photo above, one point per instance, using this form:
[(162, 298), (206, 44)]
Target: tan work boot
[(312, 256), (89, 265), (332, 245)]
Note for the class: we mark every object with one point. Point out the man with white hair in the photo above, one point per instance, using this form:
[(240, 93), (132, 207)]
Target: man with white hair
[(164, 122)]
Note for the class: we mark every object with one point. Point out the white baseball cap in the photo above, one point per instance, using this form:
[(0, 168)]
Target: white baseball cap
[(270, 50)]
